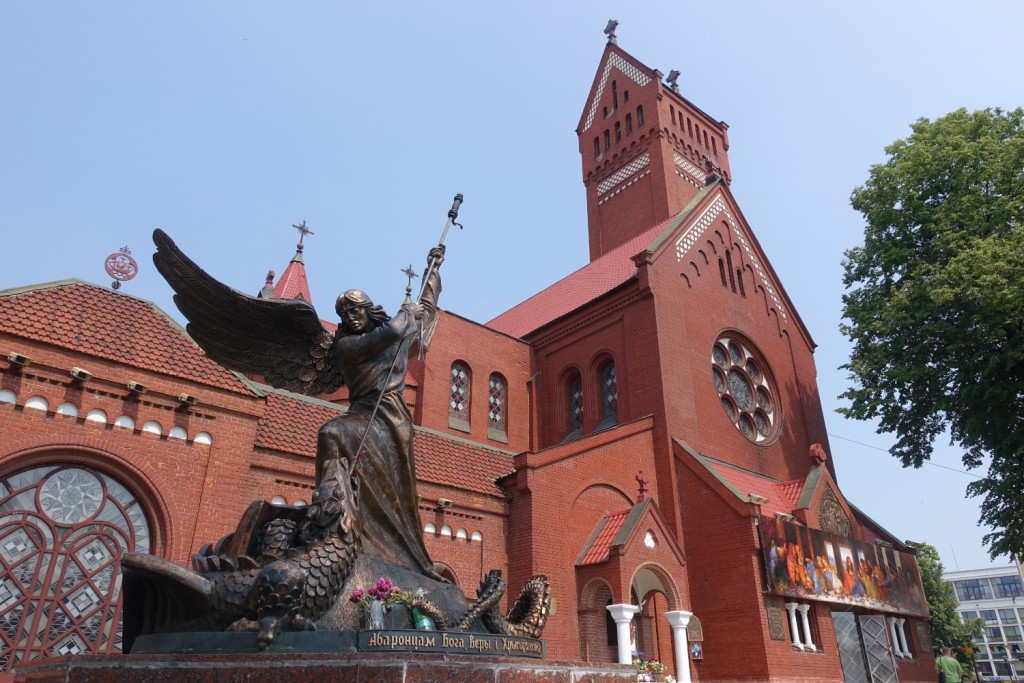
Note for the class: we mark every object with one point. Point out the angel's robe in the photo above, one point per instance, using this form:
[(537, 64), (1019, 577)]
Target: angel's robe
[(388, 516)]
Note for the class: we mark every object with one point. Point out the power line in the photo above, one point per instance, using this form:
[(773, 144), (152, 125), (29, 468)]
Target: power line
[(926, 462)]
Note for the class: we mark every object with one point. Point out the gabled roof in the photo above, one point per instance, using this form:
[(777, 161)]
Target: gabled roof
[(617, 59), (97, 321), (597, 549), (615, 530), (590, 282)]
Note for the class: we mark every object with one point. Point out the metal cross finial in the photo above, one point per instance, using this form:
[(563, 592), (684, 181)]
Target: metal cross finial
[(303, 231), (409, 273)]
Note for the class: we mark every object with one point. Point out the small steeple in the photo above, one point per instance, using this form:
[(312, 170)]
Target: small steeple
[(293, 283)]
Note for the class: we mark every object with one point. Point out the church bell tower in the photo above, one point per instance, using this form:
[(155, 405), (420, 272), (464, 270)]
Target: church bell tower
[(646, 149)]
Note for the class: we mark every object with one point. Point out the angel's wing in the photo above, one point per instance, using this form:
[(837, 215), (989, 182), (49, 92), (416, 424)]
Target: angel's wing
[(282, 340)]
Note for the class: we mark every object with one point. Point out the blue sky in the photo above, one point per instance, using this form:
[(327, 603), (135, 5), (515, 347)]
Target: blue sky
[(224, 123)]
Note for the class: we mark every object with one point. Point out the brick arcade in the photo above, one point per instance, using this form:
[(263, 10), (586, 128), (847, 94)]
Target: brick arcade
[(627, 432)]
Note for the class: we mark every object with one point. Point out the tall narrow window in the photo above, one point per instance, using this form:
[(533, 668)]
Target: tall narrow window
[(629, 124), (458, 397), (497, 399), (615, 96), (607, 139), (609, 395), (721, 271), (672, 113), (689, 126), (640, 115), (618, 132), (732, 278), (597, 147), (574, 406)]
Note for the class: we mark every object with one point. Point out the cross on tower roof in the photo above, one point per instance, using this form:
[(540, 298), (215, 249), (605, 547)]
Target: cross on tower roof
[(303, 231)]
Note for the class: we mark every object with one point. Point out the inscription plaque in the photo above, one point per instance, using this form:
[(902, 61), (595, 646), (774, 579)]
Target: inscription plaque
[(776, 622), (450, 643)]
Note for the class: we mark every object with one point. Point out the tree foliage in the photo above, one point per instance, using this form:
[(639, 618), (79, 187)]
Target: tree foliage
[(946, 628), (935, 304)]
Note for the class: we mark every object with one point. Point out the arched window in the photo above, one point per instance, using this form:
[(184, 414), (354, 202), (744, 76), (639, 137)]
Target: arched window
[(615, 96), (573, 406), (609, 395), (497, 397), (629, 124), (62, 530), (640, 115), (458, 397), (607, 139), (597, 147), (618, 132)]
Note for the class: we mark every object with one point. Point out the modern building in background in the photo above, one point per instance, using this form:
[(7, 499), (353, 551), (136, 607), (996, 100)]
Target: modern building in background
[(647, 432), (995, 594)]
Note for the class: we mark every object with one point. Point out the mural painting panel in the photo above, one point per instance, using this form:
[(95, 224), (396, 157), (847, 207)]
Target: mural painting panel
[(817, 565)]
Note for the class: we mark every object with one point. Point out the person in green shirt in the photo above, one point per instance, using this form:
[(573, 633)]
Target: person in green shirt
[(950, 669)]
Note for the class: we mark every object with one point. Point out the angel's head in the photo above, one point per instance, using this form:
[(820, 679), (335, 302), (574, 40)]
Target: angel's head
[(357, 312)]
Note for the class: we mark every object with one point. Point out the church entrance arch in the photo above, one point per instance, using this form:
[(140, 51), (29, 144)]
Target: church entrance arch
[(655, 592), (62, 529)]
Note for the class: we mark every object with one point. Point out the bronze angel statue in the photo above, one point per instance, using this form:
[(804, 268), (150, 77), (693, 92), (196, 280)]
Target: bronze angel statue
[(284, 342), (284, 568)]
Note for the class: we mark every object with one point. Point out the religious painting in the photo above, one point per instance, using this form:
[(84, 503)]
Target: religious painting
[(696, 651), (818, 565)]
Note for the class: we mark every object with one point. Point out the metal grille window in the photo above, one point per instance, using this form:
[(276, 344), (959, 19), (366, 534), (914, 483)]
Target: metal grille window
[(609, 396), (62, 529), (574, 406), (747, 395), (458, 397), (497, 398)]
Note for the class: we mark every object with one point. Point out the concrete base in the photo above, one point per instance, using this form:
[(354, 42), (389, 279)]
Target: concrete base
[(294, 666)]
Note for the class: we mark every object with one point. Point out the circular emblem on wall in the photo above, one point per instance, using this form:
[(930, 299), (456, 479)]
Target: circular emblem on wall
[(747, 394), (70, 495)]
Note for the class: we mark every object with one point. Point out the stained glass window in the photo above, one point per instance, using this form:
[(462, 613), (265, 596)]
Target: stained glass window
[(458, 399), (62, 529), (609, 396), (742, 383), (497, 398), (574, 406)]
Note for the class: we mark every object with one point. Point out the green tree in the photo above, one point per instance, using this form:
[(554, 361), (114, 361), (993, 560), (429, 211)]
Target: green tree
[(946, 628), (935, 304)]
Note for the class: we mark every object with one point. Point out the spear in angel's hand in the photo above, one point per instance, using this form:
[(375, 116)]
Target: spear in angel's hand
[(453, 213)]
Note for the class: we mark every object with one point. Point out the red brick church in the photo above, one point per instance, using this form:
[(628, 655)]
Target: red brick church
[(647, 432)]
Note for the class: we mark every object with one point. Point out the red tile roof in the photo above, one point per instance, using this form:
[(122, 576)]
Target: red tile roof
[(791, 491), (602, 542), (777, 493), (100, 322), (454, 462), (586, 284), (293, 283), (290, 422)]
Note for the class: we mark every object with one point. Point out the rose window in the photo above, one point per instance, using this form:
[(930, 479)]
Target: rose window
[(747, 395)]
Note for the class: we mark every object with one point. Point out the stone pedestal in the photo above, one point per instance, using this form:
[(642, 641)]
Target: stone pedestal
[(288, 667)]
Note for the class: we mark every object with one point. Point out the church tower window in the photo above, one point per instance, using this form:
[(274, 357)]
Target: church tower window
[(640, 115), (629, 124), (745, 390), (618, 132), (458, 397)]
